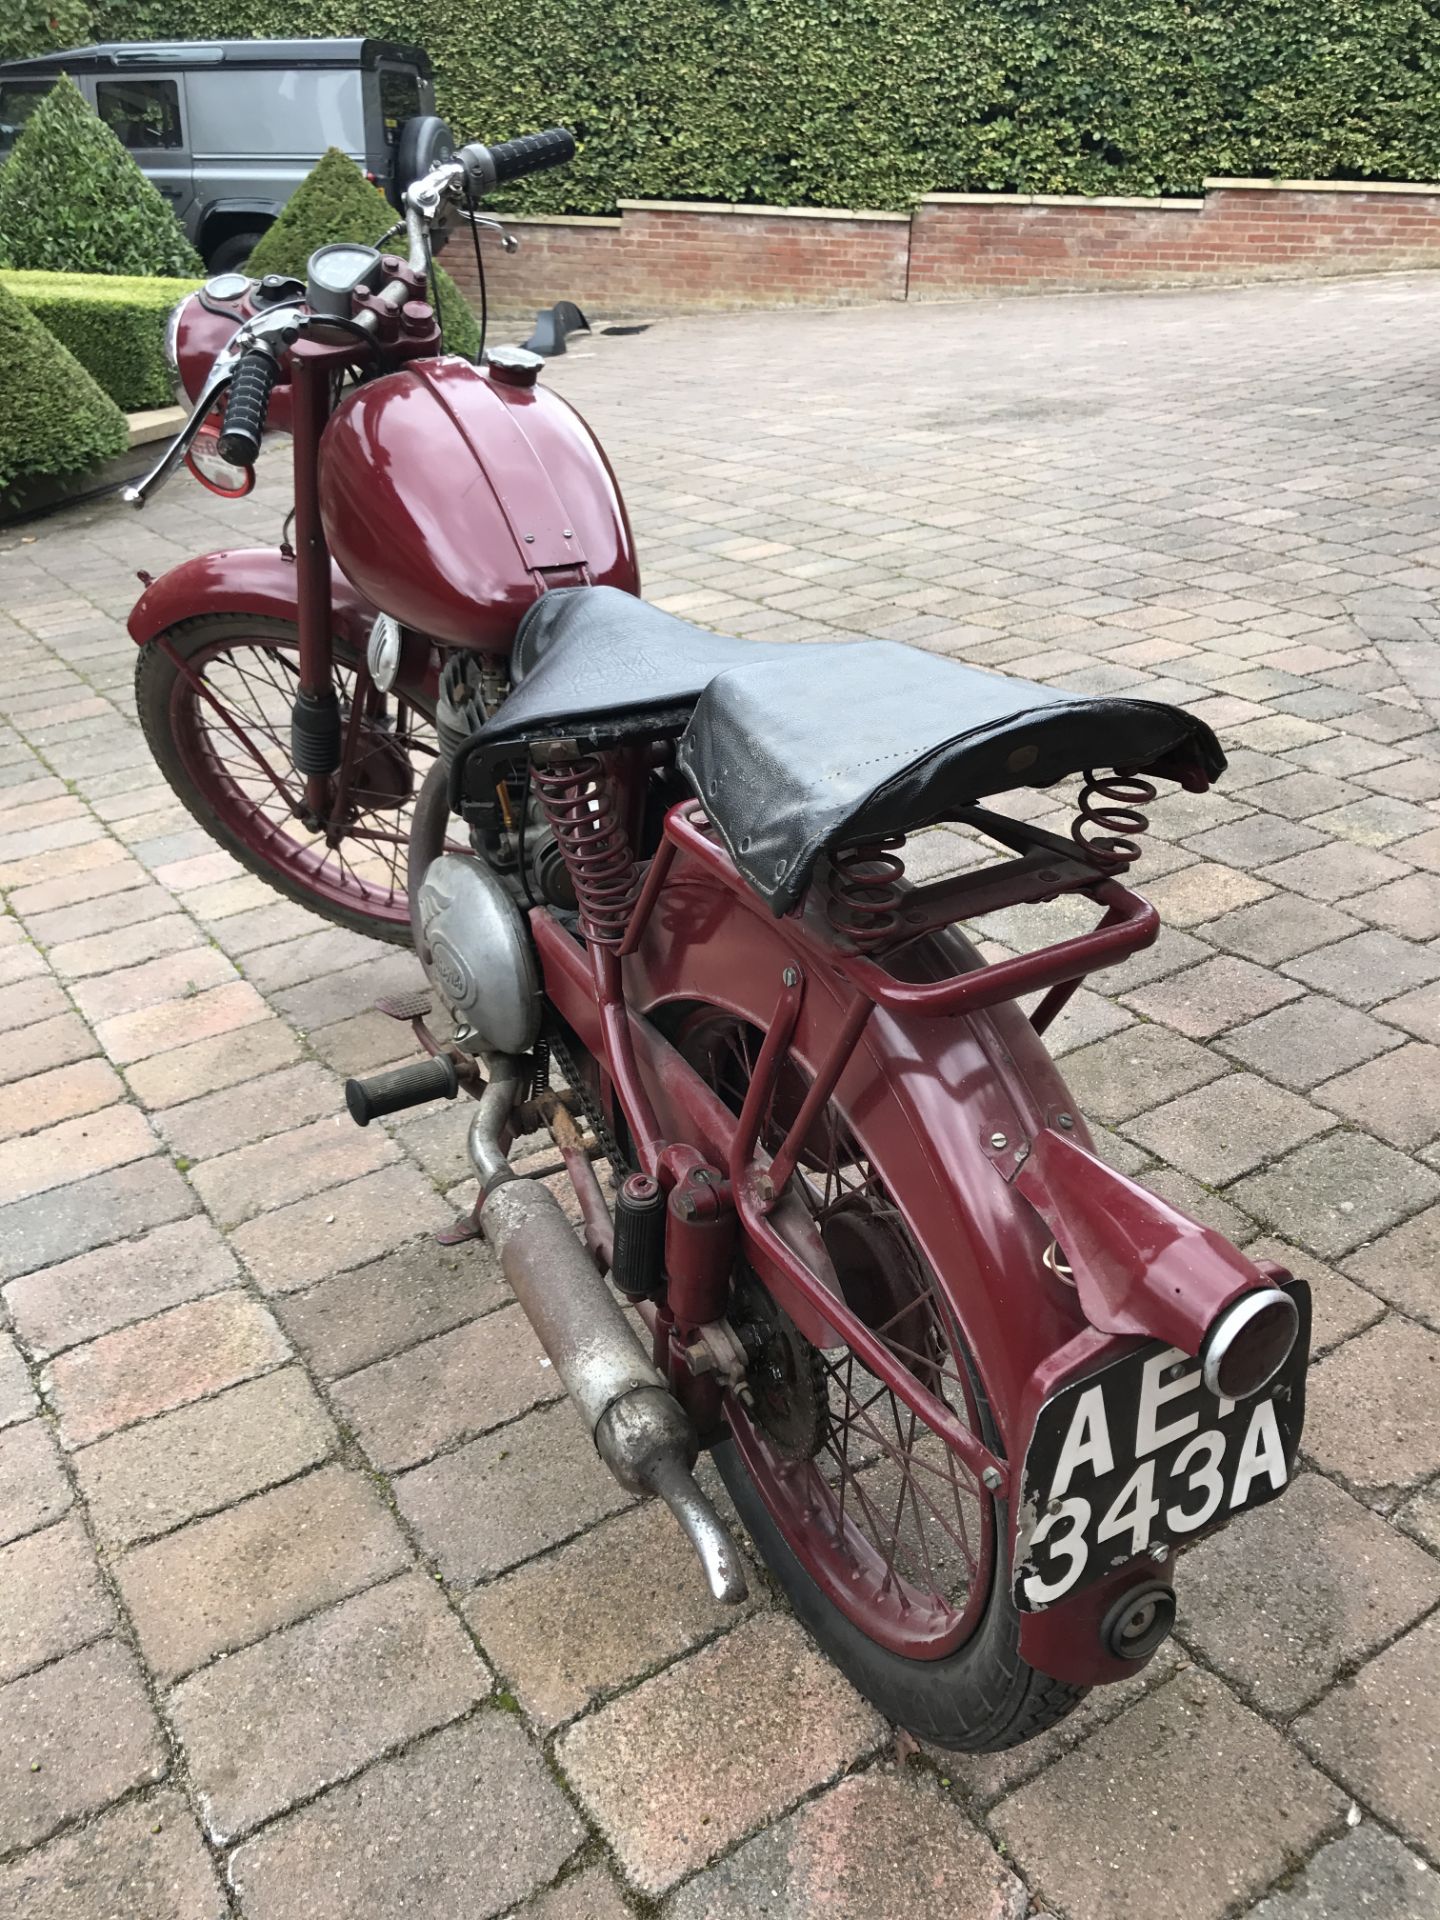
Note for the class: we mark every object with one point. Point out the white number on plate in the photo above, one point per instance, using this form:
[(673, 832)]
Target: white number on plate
[(1133, 1510), (1072, 1544), (1204, 1476)]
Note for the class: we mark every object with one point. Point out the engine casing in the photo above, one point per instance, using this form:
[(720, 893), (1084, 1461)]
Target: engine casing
[(476, 949)]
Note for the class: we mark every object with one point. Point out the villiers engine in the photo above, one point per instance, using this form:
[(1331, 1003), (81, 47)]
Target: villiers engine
[(476, 949)]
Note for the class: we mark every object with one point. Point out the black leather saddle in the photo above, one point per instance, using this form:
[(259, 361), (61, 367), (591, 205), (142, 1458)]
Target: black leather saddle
[(793, 749)]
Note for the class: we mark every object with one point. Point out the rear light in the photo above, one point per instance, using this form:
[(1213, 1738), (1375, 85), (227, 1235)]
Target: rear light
[(373, 178), (1249, 1343)]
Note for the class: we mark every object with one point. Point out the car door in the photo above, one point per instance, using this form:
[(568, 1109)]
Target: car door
[(146, 113)]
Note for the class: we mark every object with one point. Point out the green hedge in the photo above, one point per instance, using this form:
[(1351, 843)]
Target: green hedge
[(872, 102), (114, 327), (53, 417), (336, 202)]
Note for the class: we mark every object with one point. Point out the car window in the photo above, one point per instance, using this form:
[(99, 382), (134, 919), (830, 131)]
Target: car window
[(399, 99), (141, 113), (18, 100)]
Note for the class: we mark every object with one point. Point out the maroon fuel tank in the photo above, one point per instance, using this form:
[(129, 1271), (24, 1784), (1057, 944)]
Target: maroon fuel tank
[(453, 499)]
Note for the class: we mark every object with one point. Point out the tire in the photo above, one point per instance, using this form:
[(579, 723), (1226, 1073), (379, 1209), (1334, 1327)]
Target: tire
[(963, 1683), (234, 250), (241, 810)]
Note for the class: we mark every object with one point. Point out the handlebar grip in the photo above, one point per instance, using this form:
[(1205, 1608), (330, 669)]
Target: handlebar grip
[(246, 407), (412, 1085), (532, 153)]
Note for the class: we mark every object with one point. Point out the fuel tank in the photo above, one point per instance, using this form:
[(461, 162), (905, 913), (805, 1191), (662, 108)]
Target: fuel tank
[(453, 496)]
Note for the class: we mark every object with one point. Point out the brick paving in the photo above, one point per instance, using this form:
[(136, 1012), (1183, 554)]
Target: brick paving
[(315, 1603)]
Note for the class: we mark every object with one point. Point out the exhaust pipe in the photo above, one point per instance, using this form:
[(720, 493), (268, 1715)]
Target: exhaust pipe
[(640, 1431)]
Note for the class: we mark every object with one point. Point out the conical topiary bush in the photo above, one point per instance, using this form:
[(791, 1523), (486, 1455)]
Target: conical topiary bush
[(73, 201), (336, 202), (53, 417)]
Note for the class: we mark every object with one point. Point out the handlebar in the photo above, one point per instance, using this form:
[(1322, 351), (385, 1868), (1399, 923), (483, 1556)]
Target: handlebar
[(246, 406), (487, 167)]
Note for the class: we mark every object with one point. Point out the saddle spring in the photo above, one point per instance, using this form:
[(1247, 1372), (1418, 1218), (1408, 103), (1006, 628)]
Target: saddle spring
[(1112, 804), (863, 895), (578, 801)]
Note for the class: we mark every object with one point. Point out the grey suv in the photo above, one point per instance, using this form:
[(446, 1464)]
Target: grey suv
[(227, 129)]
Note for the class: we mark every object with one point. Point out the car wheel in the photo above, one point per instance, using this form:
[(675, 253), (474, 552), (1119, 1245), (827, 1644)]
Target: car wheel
[(233, 251)]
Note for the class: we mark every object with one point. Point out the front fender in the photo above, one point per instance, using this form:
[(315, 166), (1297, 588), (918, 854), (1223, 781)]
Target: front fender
[(258, 580)]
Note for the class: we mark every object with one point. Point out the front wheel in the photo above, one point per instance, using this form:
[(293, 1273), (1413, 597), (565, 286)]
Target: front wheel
[(891, 1552), (220, 733)]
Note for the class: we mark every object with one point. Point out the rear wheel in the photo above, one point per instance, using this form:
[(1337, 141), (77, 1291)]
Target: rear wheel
[(889, 1549), (222, 740)]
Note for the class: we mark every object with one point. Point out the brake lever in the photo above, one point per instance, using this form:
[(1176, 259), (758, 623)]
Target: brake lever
[(276, 328)]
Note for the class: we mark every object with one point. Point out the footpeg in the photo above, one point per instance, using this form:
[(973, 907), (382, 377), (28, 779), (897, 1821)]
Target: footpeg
[(410, 1086)]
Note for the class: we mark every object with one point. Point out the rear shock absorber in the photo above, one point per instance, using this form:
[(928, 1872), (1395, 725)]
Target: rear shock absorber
[(579, 803), (863, 896)]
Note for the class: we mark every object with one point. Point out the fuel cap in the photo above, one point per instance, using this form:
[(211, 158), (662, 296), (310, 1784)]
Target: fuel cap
[(514, 366)]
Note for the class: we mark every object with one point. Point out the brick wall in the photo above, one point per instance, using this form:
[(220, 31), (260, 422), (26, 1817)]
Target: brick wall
[(676, 257)]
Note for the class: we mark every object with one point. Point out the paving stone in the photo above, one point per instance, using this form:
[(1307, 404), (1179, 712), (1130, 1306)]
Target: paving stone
[(108, 913), (111, 872), (181, 1355), (73, 1150), (1278, 928), (217, 1123), (467, 1822), (1352, 1583), (1203, 892), (1228, 1127), (1372, 1412), (359, 1317), (166, 1079), (1423, 850), (304, 1242), (593, 1894), (1299, 795), (1179, 1809), (33, 1489), (143, 1861), (1420, 1517), (50, 1043), (182, 1465), (306, 958), (62, 1306), (1201, 1204), (1254, 841), (132, 1037), (1334, 1193), (1374, 821), (223, 1582), (1339, 1307), (1309, 1041), (751, 1723), (1367, 968), (452, 1387), (129, 947), (162, 981), (1403, 1266), (604, 1610), (56, 1226), (45, 1100), (505, 1497), (265, 925), (1365, 1873), (1122, 1076), (289, 1166), (55, 1601), (1334, 872), (17, 1395), (1379, 1731), (1396, 1096), (73, 1737), (1207, 999), (308, 1707), (1409, 907), (1417, 1013), (31, 1002), (880, 1846)]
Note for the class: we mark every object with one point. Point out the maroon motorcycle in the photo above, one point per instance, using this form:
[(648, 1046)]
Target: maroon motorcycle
[(969, 1388)]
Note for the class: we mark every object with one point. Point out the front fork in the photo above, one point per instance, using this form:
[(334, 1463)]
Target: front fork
[(316, 745)]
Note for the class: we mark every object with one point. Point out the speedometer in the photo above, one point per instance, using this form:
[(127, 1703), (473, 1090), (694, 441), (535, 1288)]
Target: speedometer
[(336, 271)]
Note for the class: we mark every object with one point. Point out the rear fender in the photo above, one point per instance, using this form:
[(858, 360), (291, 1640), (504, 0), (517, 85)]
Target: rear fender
[(941, 1106), (258, 580)]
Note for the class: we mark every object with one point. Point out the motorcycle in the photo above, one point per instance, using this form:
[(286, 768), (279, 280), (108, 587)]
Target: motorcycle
[(969, 1389)]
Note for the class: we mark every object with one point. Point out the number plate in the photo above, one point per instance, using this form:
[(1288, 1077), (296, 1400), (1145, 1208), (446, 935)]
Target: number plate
[(1141, 1455)]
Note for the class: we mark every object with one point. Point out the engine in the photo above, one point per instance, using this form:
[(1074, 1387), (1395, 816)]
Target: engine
[(476, 949)]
